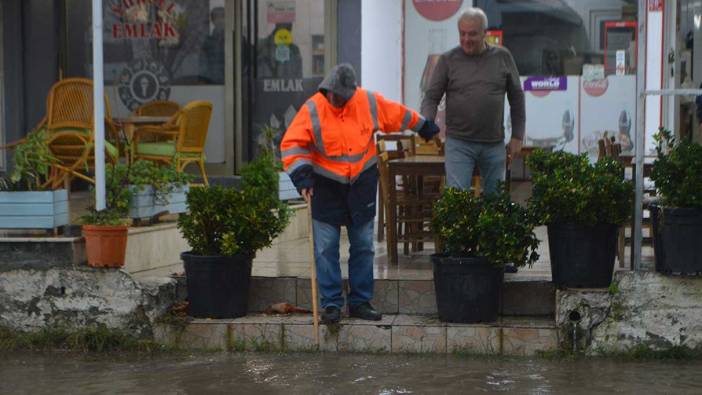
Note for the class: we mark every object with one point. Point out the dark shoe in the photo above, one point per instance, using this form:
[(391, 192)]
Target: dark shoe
[(510, 268), (331, 315), (365, 311)]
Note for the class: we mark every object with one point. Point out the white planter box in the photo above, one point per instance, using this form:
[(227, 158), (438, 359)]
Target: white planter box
[(145, 204), (34, 209)]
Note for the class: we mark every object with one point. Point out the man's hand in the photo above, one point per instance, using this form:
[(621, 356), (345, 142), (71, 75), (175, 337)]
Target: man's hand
[(307, 194), (515, 148), (428, 130)]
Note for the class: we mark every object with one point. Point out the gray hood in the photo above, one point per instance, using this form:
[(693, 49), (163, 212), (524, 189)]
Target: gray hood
[(340, 80)]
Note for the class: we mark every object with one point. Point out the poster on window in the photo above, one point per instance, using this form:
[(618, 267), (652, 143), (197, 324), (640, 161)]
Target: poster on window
[(551, 113), (425, 39), (608, 107)]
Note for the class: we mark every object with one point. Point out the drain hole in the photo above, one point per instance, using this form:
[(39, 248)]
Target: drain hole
[(574, 316)]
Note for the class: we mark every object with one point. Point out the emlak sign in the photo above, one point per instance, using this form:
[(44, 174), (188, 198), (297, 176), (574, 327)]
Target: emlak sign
[(145, 19)]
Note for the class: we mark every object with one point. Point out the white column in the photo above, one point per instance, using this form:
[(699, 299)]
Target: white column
[(381, 45), (98, 106)]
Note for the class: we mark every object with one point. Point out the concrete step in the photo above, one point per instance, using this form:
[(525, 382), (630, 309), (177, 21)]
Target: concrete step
[(519, 298), (395, 333)]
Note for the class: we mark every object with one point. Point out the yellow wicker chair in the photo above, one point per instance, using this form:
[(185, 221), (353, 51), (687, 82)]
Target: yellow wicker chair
[(69, 122), (180, 140), (158, 108), (69, 125)]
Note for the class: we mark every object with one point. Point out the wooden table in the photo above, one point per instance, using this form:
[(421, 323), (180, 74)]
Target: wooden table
[(418, 166), (129, 125), (425, 165)]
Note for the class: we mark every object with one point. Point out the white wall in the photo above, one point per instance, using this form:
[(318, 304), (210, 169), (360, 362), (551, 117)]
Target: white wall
[(381, 47)]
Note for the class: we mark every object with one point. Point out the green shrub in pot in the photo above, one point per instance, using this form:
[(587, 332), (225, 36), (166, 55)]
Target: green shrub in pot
[(477, 237), (677, 171), (583, 205), (677, 217), (106, 231), (489, 226), (225, 227)]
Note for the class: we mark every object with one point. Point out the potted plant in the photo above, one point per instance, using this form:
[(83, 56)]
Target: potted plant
[(25, 201), (225, 227), (156, 189), (677, 217), (105, 231), (583, 206), (477, 237)]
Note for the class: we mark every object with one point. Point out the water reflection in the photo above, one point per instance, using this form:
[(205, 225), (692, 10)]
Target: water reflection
[(335, 373)]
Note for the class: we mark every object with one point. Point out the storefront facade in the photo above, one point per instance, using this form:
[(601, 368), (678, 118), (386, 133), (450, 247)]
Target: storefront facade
[(258, 60)]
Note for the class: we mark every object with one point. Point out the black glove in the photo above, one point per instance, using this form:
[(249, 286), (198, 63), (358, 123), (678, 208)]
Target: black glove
[(303, 177), (428, 130)]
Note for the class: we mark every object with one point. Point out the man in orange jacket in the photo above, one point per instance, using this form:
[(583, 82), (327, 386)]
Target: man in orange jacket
[(329, 152)]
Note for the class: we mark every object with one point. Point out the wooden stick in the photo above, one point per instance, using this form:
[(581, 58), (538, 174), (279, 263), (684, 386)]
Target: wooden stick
[(313, 275)]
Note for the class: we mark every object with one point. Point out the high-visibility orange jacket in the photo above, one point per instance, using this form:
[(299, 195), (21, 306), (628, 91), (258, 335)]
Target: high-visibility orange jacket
[(333, 150)]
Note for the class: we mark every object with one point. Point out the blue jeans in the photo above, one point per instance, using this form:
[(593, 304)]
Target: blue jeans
[(463, 156), (326, 251)]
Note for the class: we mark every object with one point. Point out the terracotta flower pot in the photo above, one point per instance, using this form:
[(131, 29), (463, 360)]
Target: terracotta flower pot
[(105, 246)]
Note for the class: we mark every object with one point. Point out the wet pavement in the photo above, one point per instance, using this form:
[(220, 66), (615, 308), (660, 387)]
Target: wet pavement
[(308, 373)]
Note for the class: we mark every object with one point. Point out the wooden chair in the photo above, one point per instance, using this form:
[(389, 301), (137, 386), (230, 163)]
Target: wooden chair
[(411, 211), (399, 142), (407, 142), (432, 147), (608, 148), (605, 150), (184, 137), (430, 184), (158, 108)]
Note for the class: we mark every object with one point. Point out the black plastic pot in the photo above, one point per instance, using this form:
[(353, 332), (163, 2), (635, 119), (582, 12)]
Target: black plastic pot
[(218, 286), (677, 237), (468, 289), (582, 256)]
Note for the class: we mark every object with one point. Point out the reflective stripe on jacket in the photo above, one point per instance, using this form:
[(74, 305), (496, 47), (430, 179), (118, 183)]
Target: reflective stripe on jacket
[(337, 144)]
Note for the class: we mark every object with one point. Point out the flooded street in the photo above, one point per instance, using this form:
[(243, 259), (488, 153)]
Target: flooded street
[(56, 373)]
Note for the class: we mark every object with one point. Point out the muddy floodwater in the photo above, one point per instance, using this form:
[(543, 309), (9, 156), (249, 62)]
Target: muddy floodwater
[(243, 373)]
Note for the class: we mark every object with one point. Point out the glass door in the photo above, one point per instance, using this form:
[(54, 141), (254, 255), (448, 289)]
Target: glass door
[(684, 68), (2, 96), (286, 49)]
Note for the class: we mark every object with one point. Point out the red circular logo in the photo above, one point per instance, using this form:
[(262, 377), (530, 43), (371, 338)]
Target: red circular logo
[(437, 10), (540, 93), (596, 87)]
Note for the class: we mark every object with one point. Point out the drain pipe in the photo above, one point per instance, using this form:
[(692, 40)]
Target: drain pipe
[(574, 317)]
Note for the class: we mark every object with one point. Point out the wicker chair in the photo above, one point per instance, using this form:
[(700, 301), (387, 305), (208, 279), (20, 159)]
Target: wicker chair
[(158, 108), (180, 140), (69, 120)]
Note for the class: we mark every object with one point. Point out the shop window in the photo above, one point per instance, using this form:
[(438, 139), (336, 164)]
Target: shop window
[(289, 46), (156, 50), (560, 37)]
